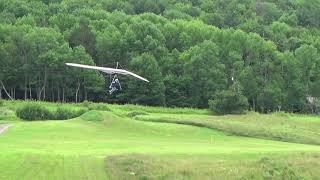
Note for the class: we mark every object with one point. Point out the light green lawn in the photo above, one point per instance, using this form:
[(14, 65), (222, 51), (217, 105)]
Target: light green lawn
[(77, 149), (283, 127), (119, 135)]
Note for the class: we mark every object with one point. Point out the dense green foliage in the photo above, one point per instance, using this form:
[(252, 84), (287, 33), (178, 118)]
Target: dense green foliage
[(228, 101), (95, 106), (63, 113), (36, 111), (190, 50), (136, 113)]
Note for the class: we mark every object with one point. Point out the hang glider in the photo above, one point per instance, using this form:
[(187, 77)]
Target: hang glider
[(111, 71), (115, 83)]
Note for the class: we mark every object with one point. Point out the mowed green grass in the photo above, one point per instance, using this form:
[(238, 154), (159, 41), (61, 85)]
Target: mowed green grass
[(278, 126), (110, 145)]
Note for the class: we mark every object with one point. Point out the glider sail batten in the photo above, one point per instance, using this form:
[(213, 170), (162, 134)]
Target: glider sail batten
[(107, 70), (137, 76)]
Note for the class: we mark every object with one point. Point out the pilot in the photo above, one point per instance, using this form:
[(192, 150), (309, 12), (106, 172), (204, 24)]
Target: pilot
[(114, 86)]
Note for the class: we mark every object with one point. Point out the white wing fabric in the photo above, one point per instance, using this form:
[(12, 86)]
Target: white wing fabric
[(108, 70)]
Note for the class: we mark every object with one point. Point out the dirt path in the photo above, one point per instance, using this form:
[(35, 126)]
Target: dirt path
[(4, 127)]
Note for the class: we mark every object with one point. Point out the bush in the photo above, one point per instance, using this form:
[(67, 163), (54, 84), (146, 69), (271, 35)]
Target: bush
[(86, 104), (1, 102), (34, 112), (95, 106), (99, 107), (64, 113), (136, 113), (228, 102)]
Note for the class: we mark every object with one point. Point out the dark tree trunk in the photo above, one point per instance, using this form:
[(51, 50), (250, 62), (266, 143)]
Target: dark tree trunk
[(25, 88), (44, 83), (38, 89), (77, 91), (63, 96), (13, 93), (58, 94), (85, 94), (52, 94), (30, 91)]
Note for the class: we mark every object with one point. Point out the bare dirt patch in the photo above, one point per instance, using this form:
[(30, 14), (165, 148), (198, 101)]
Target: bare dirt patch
[(4, 127)]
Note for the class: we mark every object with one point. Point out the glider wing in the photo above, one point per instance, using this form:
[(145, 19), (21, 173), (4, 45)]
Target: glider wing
[(108, 70)]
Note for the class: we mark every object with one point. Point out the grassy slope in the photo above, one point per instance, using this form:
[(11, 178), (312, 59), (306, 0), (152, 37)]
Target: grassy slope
[(76, 149), (284, 127), (139, 166)]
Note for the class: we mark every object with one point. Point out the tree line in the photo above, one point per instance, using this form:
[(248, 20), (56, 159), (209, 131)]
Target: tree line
[(190, 50)]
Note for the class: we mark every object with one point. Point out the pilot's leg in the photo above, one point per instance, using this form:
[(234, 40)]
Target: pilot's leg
[(112, 90)]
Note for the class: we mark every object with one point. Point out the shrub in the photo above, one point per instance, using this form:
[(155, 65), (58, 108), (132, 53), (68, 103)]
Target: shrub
[(228, 102), (64, 113), (86, 104), (99, 107), (136, 113), (33, 111), (79, 113), (95, 106), (281, 114), (1, 102)]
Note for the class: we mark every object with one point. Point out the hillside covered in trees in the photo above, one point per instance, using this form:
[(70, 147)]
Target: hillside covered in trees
[(190, 50)]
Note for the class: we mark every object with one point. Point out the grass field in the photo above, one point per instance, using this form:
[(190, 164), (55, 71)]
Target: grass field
[(115, 144), (277, 126)]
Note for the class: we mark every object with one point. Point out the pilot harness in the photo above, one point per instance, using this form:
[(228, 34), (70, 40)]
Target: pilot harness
[(115, 83)]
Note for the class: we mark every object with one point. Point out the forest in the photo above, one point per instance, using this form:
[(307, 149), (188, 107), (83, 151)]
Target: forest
[(266, 51)]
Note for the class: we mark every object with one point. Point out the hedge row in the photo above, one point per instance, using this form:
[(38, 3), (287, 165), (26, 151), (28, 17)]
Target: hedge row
[(34, 111)]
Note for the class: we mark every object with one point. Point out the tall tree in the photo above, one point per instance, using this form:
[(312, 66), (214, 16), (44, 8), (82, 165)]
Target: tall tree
[(205, 74), (151, 93)]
